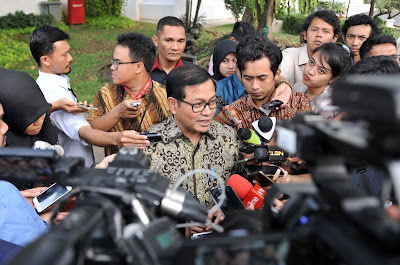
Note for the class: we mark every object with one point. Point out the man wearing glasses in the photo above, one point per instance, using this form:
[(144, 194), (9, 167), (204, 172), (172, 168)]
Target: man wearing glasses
[(191, 139), (379, 45), (118, 103), (50, 48)]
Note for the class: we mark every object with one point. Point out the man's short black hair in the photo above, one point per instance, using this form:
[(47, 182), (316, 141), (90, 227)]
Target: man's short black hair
[(183, 76), (42, 41), (373, 41), (169, 21), (242, 29), (377, 65), (141, 48), (255, 48), (327, 16), (361, 19)]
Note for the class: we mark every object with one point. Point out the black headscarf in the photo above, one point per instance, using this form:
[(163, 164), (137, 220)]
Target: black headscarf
[(23, 103), (221, 50)]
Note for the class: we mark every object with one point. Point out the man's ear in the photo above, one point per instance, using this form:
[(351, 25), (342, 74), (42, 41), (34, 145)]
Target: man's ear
[(277, 75), (335, 38), (333, 79), (155, 40), (232, 38), (344, 38), (173, 105), (304, 33), (44, 60), (140, 67)]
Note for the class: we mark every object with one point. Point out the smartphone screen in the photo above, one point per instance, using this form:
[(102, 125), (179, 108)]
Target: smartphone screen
[(232, 202), (50, 196), (262, 174)]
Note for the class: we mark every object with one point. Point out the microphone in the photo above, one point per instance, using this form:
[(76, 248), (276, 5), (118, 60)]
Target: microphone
[(246, 191), (260, 154), (250, 136), (265, 126)]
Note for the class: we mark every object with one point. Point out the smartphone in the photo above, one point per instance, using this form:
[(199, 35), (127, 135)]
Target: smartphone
[(136, 104), (262, 174), (153, 137), (232, 202), (87, 107), (49, 196), (201, 235)]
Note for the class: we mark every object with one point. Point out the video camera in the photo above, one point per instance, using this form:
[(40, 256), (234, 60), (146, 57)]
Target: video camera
[(124, 214), (339, 223)]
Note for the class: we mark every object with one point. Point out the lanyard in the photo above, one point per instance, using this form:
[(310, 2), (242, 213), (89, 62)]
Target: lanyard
[(142, 92)]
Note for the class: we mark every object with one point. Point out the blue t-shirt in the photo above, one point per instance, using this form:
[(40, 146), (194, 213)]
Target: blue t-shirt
[(230, 89), (19, 222)]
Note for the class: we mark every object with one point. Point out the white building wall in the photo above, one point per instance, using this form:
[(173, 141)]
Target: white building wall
[(27, 6)]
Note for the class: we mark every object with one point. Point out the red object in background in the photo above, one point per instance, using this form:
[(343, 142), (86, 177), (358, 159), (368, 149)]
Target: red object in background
[(76, 12)]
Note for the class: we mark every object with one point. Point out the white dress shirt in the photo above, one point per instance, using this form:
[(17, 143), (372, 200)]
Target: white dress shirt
[(55, 87), (294, 61)]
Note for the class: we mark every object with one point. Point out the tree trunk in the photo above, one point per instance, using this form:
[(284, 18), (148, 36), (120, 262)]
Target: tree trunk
[(197, 13), (248, 15), (372, 8), (266, 18)]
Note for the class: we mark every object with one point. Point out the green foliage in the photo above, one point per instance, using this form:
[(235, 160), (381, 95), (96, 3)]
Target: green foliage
[(106, 22), (388, 31), (98, 8), (388, 7), (22, 20), (13, 52), (293, 23), (307, 6), (284, 7), (379, 20), (237, 7), (335, 6)]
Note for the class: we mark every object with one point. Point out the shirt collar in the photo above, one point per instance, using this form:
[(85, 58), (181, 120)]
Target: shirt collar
[(172, 131), (157, 65), (303, 56), (61, 80)]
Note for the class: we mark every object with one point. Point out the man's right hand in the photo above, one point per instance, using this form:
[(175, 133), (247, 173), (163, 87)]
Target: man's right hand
[(126, 111), (221, 117), (130, 137), (66, 105)]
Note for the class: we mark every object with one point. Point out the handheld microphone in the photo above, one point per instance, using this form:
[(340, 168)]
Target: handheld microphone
[(42, 145), (247, 192), (250, 136), (265, 126)]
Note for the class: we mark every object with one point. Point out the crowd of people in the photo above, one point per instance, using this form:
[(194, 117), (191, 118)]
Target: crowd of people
[(196, 112)]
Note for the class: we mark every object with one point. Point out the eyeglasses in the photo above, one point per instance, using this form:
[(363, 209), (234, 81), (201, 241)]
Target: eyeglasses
[(115, 63), (199, 107)]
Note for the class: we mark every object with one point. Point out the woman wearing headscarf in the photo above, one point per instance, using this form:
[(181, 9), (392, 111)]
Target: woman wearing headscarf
[(224, 59), (25, 110)]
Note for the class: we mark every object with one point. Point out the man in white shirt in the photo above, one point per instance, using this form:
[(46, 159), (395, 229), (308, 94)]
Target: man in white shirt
[(49, 47), (318, 28)]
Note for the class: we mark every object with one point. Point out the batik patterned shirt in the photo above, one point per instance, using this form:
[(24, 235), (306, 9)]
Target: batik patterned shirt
[(245, 110), (175, 155), (155, 100)]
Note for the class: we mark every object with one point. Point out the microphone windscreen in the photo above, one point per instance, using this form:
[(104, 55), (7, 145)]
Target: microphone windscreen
[(265, 124), (261, 154), (244, 133), (240, 185)]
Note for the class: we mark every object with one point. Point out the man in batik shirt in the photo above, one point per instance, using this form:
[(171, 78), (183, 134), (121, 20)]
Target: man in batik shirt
[(131, 64), (191, 139)]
